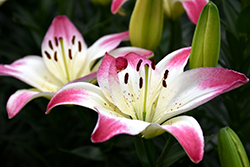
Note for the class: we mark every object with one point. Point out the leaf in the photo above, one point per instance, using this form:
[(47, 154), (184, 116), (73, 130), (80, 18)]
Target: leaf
[(88, 152), (243, 26)]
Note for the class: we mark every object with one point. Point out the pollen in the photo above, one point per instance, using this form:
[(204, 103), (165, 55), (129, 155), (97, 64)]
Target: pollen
[(55, 56), (166, 74), (73, 39), (50, 45), (56, 41), (140, 82), (79, 46), (138, 65), (126, 78), (47, 54), (70, 55)]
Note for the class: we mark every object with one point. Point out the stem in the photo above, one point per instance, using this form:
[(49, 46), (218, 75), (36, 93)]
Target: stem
[(165, 151), (145, 151), (175, 35)]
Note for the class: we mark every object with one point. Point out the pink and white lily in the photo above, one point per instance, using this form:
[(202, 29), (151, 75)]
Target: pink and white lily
[(138, 97), (65, 59), (192, 7)]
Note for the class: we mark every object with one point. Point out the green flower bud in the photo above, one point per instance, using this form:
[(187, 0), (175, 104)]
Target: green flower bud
[(173, 9), (231, 150), (206, 41), (146, 24)]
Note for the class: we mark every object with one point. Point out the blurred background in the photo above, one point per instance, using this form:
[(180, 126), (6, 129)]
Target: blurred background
[(62, 138)]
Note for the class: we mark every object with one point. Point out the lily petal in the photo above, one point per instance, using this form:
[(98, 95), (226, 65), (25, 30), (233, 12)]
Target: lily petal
[(33, 71), (84, 94), (174, 62), (194, 8), (195, 87), (186, 130), (21, 97), (108, 126), (64, 49), (125, 50), (105, 44), (116, 5)]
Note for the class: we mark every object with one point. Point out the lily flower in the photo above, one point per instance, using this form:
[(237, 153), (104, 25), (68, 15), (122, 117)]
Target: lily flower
[(65, 59), (192, 7), (138, 97)]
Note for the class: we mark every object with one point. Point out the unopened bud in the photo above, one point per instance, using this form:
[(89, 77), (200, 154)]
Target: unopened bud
[(231, 150), (206, 41), (146, 24)]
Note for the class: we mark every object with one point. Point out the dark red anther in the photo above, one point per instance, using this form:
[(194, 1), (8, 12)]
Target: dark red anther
[(79, 46), (56, 41), (126, 78), (153, 64), (138, 65), (166, 74), (164, 84), (55, 56), (47, 54), (140, 82), (73, 40), (50, 45), (70, 55)]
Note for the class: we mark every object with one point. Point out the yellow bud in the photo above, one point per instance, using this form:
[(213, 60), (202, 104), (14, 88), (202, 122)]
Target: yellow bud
[(173, 9), (206, 41), (146, 24)]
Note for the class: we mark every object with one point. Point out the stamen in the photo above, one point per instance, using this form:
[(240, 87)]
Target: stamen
[(70, 56), (47, 54), (56, 41), (166, 74), (153, 64), (164, 84), (126, 78), (79, 46), (138, 65), (55, 56), (50, 45), (140, 82), (73, 40)]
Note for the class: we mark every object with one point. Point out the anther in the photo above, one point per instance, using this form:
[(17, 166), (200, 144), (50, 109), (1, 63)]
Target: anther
[(164, 84), (166, 74), (126, 78), (50, 45), (73, 40), (70, 56), (55, 56), (138, 65), (140, 82), (153, 64), (56, 41), (79, 46), (47, 54)]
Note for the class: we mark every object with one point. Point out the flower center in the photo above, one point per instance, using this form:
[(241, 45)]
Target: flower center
[(60, 56), (141, 91)]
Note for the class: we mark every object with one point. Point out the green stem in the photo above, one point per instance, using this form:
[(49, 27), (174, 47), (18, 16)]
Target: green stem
[(145, 151), (175, 35), (164, 151)]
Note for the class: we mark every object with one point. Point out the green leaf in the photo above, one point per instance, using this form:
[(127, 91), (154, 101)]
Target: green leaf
[(88, 152), (243, 26)]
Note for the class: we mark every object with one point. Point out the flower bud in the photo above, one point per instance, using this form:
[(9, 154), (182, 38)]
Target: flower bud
[(206, 41), (146, 24), (231, 150), (173, 9)]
